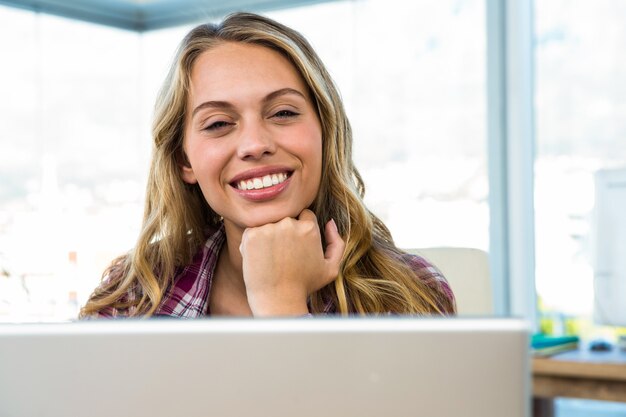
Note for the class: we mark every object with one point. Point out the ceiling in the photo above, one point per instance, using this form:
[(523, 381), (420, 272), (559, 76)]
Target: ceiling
[(145, 15)]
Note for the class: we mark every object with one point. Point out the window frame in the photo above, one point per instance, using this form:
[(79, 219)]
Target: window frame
[(511, 145)]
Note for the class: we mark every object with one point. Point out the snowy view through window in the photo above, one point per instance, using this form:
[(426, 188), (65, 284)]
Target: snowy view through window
[(75, 135)]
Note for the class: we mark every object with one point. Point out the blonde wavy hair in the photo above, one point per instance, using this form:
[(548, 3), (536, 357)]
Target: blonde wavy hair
[(373, 277)]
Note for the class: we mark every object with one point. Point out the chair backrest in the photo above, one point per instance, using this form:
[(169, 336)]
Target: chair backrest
[(467, 272)]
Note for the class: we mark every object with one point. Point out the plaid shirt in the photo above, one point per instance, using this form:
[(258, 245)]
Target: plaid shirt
[(188, 295)]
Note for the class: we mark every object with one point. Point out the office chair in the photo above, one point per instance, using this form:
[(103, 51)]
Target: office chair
[(467, 272)]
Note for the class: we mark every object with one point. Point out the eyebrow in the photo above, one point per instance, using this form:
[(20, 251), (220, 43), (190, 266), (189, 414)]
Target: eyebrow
[(226, 105)]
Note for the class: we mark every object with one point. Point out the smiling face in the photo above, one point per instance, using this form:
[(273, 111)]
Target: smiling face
[(252, 135)]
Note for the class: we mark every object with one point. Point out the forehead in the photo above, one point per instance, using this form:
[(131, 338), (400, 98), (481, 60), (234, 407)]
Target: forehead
[(232, 69)]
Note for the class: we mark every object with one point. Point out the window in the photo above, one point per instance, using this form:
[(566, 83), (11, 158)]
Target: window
[(76, 149), (77, 131), (580, 126), (412, 75)]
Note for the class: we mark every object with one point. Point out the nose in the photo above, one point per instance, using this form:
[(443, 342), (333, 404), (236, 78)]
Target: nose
[(255, 141)]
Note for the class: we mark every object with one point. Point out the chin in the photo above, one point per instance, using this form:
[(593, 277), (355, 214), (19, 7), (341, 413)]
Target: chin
[(272, 217)]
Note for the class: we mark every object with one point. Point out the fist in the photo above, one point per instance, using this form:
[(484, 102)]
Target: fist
[(284, 262)]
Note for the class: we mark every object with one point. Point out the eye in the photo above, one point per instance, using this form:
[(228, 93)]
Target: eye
[(217, 126), (285, 114)]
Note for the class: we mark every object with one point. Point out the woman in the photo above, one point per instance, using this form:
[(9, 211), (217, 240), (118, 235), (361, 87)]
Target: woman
[(254, 206)]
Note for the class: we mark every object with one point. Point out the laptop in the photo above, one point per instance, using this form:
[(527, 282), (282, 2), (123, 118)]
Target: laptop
[(382, 367)]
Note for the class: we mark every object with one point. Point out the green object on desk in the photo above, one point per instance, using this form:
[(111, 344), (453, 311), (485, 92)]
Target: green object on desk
[(539, 340), (544, 345)]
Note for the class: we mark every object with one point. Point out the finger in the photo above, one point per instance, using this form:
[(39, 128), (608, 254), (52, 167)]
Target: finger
[(334, 248)]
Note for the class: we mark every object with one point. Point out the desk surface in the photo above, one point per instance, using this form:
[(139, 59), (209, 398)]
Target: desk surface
[(581, 374), (584, 364)]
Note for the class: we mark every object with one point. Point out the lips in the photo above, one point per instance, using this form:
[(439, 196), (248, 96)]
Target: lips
[(262, 183)]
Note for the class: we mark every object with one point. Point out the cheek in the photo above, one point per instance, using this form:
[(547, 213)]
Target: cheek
[(319, 155), (314, 154), (319, 150), (208, 164), (311, 135)]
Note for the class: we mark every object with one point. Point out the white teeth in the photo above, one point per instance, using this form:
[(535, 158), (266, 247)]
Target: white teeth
[(262, 182)]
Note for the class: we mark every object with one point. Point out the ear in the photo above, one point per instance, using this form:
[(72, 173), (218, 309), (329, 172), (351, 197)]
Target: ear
[(187, 174), (186, 171)]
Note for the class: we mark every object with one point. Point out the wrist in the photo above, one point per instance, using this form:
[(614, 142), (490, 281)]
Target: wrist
[(278, 303)]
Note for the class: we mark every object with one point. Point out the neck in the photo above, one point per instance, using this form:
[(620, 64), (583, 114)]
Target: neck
[(231, 258), (228, 295)]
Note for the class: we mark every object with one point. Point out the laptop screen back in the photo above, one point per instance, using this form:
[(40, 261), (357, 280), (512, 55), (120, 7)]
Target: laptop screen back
[(269, 367)]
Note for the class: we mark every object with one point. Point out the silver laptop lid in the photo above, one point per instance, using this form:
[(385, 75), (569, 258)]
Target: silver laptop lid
[(269, 367)]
